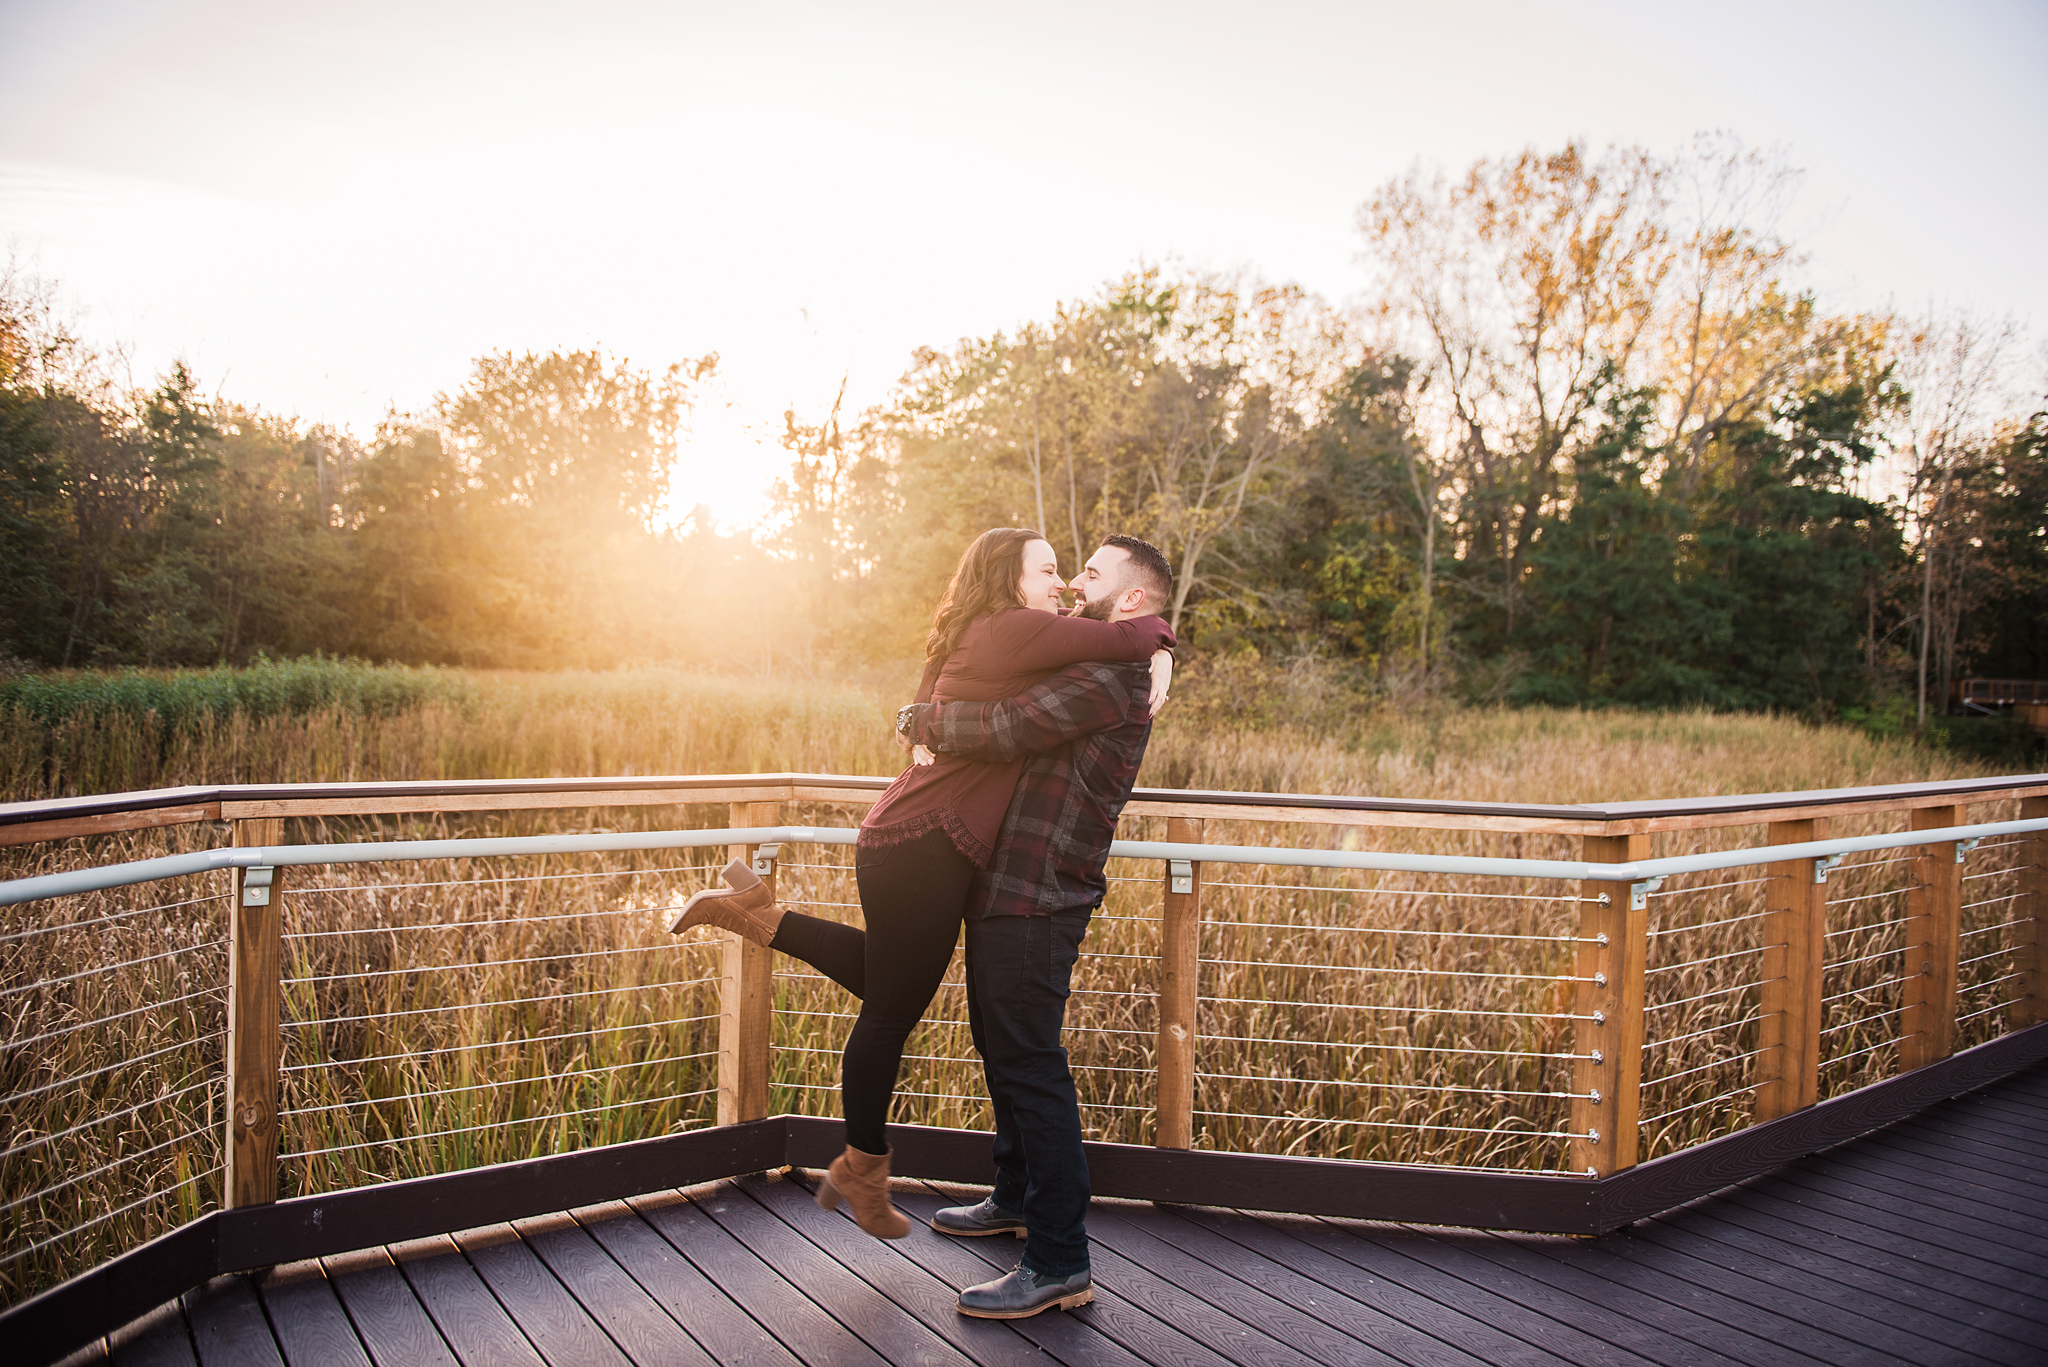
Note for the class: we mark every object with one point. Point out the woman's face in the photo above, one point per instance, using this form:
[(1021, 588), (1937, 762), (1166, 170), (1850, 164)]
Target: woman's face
[(1041, 583)]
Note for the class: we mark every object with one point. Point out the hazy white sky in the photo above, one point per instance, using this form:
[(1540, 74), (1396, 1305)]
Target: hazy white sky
[(329, 210)]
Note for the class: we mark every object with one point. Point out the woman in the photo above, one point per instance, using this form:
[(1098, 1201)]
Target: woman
[(996, 633)]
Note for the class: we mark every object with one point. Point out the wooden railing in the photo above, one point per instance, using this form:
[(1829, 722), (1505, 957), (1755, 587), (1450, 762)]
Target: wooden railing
[(1609, 1000)]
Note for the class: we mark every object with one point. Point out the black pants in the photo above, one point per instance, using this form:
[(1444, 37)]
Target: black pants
[(1019, 972), (912, 897)]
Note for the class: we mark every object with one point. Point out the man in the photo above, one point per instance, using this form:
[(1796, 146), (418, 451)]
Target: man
[(1086, 728)]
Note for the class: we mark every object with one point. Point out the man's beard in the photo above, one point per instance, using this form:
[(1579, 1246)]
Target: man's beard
[(1096, 609)]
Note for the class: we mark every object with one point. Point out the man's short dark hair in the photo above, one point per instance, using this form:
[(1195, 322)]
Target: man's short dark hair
[(1149, 569)]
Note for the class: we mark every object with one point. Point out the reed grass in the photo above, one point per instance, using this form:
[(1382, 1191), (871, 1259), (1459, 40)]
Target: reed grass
[(443, 1016)]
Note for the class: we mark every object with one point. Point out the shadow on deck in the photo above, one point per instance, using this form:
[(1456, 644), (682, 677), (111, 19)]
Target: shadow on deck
[(1924, 1242)]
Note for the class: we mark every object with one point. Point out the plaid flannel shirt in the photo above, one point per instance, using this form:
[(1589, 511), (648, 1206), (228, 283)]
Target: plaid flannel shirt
[(1085, 729)]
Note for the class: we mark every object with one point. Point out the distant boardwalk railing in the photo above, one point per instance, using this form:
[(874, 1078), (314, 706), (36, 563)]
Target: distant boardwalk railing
[(316, 1036)]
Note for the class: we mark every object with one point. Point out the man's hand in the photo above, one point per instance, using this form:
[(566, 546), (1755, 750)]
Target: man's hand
[(1162, 679)]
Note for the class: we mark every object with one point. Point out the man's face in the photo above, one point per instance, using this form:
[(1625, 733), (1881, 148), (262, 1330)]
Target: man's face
[(1102, 582)]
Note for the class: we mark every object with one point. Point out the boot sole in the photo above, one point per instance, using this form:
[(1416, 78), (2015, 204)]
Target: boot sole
[(1017, 1230), (1078, 1299)]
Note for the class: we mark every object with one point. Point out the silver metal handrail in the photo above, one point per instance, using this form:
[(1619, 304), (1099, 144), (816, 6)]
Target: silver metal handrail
[(1643, 874)]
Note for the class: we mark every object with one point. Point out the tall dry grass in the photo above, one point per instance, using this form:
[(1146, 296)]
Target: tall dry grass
[(445, 1016)]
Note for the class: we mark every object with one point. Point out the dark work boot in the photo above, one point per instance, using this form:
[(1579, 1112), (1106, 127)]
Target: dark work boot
[(1024, 1293), (972, 1221)]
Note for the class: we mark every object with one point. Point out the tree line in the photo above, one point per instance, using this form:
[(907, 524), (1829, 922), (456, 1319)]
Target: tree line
[(1588, 440)]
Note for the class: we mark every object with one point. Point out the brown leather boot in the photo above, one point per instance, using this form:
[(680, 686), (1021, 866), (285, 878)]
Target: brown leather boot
[(862, 1181), (744, 908)]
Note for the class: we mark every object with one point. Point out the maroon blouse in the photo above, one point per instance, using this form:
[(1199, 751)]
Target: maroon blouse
[(999, 656)]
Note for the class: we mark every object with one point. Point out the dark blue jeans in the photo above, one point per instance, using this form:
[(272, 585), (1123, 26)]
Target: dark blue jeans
[(1018, 973)]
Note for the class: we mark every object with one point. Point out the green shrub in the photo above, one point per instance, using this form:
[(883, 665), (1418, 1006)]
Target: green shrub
[(269, 688)]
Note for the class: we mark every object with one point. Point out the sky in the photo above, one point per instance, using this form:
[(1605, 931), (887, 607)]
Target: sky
[(328, 211)]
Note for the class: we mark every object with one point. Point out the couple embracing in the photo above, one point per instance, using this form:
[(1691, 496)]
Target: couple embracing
[(1025, 738)]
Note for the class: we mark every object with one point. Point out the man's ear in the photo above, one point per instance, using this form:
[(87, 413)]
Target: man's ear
[(1132, 600)]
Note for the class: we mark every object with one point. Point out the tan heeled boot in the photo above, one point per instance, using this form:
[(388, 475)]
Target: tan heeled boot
[(744, 908), (862, 1181)]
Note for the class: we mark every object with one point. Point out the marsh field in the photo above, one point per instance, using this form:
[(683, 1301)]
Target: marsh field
[(442, 1016)]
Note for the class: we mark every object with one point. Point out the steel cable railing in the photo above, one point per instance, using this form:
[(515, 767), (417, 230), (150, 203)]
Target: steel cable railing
[(1448, 991), (1419, 1009), (114, 1011), (420, 1044)]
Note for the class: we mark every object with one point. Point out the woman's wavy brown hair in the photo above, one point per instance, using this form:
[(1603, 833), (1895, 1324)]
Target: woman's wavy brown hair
[(984, 582)]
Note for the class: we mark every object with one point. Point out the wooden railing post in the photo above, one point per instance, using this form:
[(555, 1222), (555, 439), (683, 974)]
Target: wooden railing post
[(1927, 997), (1795, 947), (1607, 1077), (746, 997), (1180, 975), (255, 945), (2030, 937)]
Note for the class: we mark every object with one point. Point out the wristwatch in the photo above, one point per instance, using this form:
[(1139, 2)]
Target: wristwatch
[(905, 715)]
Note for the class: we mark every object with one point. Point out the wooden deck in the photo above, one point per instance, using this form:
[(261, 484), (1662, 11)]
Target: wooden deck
[(1926, 1242)]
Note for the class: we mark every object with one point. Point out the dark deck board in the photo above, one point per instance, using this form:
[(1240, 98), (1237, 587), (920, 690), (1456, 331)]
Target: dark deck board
[(1987, 1203), (469, 1317), (159, 1339), (880, 1264), (395, 1329), (311, 1327), (1665, 1279), (1272, 1238), (1754, 1281), (631, 1318), (1776, 1219), (1925, 1242), (1136, 1329), (1210, 1304), (2008, 1128), (809, 1333), (2019, 1105), (1532, 1259), (1397, 1340), (1974, 1141), (1459, 1254), (2016, 1116), (1969, 1147), (892, 1335), (1973, 1208), (1388, 1256), (229, 1327), (960, 1263), (1971, 1219), (725, 1331), (1907, 1330), (1902, 1301), (1827, 1253), (560, 1329), (1932, 1243)]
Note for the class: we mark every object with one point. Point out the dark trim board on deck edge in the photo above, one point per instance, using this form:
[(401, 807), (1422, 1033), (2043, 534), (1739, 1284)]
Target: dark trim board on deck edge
[(96, 1302)]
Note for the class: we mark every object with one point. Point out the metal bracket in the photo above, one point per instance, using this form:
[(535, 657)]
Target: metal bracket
[(1823, 864), (1180, 875), (1963, 847), (764, 860), (256, 885), (1639, 893)]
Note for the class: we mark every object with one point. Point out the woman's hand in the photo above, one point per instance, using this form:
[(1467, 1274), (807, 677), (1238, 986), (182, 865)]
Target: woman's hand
[(921, 756), (1162, 679)]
